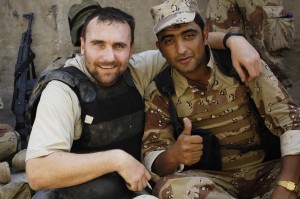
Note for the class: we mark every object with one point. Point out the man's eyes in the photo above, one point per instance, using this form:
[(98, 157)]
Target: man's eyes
[(99, 44), (190, 36), (120, 46), (103, 45), (168, 41)]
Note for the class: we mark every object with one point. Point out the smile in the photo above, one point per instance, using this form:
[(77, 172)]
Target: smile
[(107, 67)]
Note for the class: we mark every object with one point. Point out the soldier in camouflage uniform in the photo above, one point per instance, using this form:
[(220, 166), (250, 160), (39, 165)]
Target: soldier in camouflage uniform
[(206, 98), (266, 24)]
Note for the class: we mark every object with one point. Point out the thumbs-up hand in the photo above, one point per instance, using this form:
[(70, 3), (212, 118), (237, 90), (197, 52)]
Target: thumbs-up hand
[(188, 148)]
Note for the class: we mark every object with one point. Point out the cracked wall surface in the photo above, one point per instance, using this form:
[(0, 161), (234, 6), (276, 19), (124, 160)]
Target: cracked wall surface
[(51, 38)]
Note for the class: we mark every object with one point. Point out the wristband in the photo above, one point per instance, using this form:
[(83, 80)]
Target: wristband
[(229, 34)]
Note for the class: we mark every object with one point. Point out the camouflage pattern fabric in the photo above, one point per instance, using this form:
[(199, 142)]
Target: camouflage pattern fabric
[(220, 107), (163, 14), (266, 24), (212, 184), (9, 141), (256, 181), (16, 190)]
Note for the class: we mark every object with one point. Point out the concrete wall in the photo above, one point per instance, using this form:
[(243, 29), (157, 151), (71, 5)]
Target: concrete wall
[(51, 37)]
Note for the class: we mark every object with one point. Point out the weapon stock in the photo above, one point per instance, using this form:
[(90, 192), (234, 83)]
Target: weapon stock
[(25, 78)]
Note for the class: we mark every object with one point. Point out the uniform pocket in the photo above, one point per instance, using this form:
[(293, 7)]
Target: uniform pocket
[(279, 29)]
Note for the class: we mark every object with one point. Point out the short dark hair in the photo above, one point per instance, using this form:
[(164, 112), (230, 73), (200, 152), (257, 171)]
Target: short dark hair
[(110, 14), (198, 20)]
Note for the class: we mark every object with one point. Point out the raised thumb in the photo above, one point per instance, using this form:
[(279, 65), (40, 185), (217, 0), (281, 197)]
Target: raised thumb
[(187, 126)]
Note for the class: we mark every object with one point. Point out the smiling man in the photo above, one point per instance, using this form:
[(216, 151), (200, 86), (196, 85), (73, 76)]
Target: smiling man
[(207, 100), (65, 150)]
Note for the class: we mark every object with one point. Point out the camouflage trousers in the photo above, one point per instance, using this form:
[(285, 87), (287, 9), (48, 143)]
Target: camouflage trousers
[(256, 181), (265, 23), (16, 190), (9, 142)]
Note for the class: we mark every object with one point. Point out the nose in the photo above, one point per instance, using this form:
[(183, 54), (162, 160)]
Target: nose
[(180, 46), (108, 54)]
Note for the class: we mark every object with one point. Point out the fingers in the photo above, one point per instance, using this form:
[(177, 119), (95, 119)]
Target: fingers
[(193, 161), (138, 184), (187, 126), (192, 158), (190, 151), (134, 186), (257, 67), (147, 175), (240, 71), (188, 131), (188, 148), (249, 71), (245, 58)]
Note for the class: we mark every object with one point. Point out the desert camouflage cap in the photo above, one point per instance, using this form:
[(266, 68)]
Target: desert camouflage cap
[(77, 16), (173, 12)]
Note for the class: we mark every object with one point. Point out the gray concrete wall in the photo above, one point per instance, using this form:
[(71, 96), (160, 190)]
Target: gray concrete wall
[(51, 37)]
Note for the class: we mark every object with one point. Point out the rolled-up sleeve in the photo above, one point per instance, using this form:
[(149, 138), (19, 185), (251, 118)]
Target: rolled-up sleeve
[(57, 121), (290, 143), (280, 112)]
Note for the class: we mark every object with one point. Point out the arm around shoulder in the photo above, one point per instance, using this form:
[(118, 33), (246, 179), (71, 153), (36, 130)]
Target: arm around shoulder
[(244, 55)]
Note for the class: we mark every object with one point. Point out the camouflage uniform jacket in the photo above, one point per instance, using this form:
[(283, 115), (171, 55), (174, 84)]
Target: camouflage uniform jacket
[(221, 107), (266, 23)]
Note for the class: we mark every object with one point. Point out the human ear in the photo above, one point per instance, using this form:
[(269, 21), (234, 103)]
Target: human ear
[(159, 48), (132, 48), (82, 44), (205, 33)]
